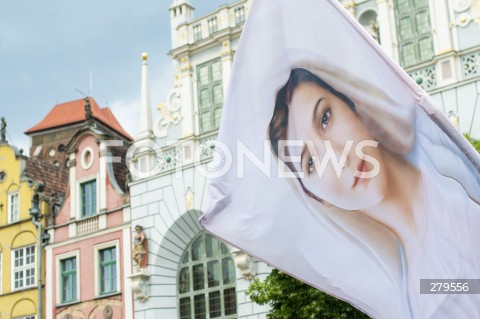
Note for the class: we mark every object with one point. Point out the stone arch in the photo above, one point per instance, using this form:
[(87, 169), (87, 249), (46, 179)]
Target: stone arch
[(369, 20), (23, 307), (13, 187), (23, 238), (165, 257)]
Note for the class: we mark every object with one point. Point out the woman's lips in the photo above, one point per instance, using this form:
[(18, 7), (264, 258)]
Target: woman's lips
[(359, 171)]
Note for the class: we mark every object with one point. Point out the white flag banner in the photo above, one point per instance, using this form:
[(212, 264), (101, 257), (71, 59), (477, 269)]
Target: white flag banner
[(333, 166)]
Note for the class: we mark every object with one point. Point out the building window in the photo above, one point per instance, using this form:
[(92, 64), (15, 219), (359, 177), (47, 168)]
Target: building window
[(69, 279), (197, 32), (212, 25), (210, 94), (26, 317), (206, 281), (108, 270), (23, 260), (414, 32), (239, 14), (13, 211), (88, 193)]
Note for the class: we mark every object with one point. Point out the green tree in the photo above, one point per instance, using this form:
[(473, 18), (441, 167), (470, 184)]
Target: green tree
[(475, 143), (290, 298)]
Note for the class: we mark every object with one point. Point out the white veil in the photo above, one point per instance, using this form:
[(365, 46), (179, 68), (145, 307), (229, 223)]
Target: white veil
[(343, 253)]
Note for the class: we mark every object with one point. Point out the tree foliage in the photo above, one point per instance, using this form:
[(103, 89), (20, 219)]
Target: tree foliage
[(290, 298), (475, 143)]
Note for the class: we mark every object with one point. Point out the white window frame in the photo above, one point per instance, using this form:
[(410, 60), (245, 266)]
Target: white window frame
[(10, 203), (24, 268), (79, 183), (96, 265), (197, 32), (58, 264)]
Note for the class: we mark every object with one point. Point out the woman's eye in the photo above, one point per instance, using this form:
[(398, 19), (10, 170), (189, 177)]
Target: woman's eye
[(326, 118), (310, 165)]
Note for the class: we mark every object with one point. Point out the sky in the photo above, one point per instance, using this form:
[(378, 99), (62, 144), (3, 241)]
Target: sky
[(48, 49)]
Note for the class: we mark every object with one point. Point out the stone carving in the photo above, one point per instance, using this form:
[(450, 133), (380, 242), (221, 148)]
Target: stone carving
[(140, 248), (189, 198), (244, 263), (68, 316), (107, 312), (374, 29), (139, 284), (461, 5), (3, 130), (465, 15), (88, 110), (169, 113)]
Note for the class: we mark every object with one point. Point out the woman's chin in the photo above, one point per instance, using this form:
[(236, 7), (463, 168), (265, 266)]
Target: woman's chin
[(362, 201)]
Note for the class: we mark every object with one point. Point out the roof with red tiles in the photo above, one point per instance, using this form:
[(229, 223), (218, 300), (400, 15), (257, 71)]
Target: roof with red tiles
[(74, 112), (54, 178)]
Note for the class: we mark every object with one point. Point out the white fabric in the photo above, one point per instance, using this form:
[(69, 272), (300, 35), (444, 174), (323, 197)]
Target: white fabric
[(346, 254)]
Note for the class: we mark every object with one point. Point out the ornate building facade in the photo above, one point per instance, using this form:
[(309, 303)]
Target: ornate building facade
[(30, 192), (190, 274), (89, 253), (438, 45)]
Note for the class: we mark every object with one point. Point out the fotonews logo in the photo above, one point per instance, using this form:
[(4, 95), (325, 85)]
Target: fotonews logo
[(296, 159)]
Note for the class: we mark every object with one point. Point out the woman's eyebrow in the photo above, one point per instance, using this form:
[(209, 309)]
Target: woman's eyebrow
[(315, 110)]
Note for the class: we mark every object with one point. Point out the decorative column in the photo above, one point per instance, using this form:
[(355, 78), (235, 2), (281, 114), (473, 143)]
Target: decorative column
[(186, 97), (226, 54), (142, 151), (440, 27), (145, 109), (384, 22)]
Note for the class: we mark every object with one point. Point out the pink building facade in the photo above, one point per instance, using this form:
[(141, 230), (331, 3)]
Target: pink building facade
[(89, 255)]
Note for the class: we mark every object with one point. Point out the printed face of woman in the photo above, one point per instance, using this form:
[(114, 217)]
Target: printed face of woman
[(326, 125)]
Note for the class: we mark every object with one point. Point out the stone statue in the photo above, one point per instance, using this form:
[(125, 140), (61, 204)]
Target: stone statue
[(3, 130), (107, 312), (374, 29), (140, 248), (88, 110)]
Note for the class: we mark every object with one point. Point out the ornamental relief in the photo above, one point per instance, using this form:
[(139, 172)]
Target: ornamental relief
[(468, 11), (169, 113), (95, 309)]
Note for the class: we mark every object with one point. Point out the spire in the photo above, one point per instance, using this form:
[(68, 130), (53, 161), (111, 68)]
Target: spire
[(145, 109)]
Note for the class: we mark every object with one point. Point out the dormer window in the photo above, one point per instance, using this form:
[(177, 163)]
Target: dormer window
[(88, 197), (212, 25), (197, 32), (239, 13)]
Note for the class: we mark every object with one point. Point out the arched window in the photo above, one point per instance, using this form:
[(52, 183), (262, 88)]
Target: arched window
[(206, 280)]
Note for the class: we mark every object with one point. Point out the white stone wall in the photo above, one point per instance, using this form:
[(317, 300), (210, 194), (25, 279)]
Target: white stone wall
[(159, 205), (464, 100)]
